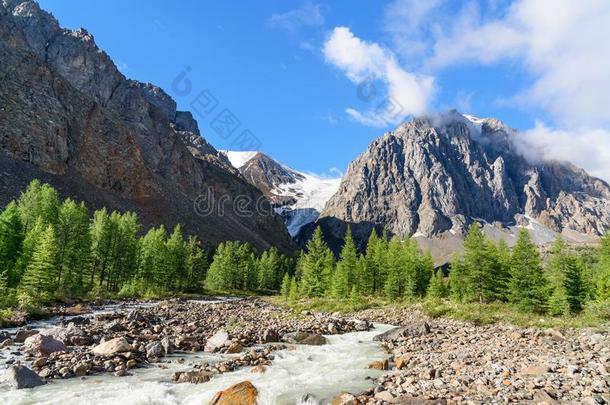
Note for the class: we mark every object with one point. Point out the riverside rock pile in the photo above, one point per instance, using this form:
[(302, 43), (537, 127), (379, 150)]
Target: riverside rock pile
[(117, 342), (446, 361)]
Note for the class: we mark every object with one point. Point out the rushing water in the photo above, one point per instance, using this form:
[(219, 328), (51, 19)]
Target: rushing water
[(322, 371)]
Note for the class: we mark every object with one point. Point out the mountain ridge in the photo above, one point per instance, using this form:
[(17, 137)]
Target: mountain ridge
[(69, 115)]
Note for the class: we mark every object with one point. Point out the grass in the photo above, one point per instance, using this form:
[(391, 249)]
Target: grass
[(595, 315)]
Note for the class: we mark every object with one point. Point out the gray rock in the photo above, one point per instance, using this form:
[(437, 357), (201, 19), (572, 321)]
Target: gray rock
[(270, 335), (23, 334), (111, 347), (418, 329), (154, 350), (22, 377), (43, 345), (168, 346), (304, 338), (216, 341)]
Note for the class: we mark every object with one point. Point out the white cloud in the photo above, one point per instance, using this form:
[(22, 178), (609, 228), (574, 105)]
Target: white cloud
[(307, 15), (562, 43), (369, 65), (584, 147)]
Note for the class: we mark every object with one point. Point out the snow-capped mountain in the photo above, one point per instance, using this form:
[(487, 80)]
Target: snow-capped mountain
[(433, 176), (298, 197)]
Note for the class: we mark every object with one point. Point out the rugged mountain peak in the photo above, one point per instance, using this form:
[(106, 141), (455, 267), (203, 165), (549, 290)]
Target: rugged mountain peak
[(438, 173), (100, 137), (298, 197)]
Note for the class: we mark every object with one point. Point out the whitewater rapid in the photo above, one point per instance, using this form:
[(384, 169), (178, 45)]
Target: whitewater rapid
[(322, 371)]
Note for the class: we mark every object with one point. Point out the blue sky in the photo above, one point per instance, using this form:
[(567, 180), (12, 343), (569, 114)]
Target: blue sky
[(291, 71)]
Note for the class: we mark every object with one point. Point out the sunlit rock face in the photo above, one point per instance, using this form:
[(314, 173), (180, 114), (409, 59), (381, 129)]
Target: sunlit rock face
[(69, 117)]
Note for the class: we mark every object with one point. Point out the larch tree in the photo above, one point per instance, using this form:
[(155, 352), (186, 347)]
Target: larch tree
[(317, 266), (528, 285)]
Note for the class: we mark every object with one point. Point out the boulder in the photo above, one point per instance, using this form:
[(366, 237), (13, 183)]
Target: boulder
[(154, 350), (134, 316), (167, 344), (379, 365), (23, 334), (112, 347), (384, 396), (270, 335), (345, 398), (402, 361), (258, 369), (71, 335), (243, 393), (304, 338), (193, 376), (234, 347), (43, 345), (361, 325), (6, 343), (115, 326), (22, 377), (80, 369), (216, 341), (415, 330)]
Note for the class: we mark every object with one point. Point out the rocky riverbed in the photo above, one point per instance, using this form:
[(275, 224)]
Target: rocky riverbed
[(446, 361), (187, 351)]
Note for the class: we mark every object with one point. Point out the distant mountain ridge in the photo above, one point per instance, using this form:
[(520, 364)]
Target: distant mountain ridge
[(297, 196)]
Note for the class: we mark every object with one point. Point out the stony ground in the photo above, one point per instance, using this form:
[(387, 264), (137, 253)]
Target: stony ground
[(446, 361), (428, 361)]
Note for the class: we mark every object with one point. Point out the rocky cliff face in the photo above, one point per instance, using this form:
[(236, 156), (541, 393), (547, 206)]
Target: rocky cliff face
[(435, 175), (69, 117), (297, 197)]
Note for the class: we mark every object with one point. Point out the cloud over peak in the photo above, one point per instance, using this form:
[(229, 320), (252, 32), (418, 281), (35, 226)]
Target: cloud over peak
[(393, 92)]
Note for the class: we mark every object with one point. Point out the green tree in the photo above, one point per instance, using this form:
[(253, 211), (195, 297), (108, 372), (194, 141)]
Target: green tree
[(268, 269), (394, 274), (425, 270), (195, 264), (413, 270), (74, 247), (459, 283), (11, 239), (317, 266), (603, 269), (153, 271), (437, 288), (38, 201), (285, 288), (42, 270), (293, 295), (345, 275), (480, 263), (575, 284), (368, 275), (176, 259), (501, 277), (528, 286)]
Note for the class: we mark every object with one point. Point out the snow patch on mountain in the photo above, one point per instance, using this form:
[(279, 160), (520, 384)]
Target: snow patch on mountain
[(239, 158), (297, 196)]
